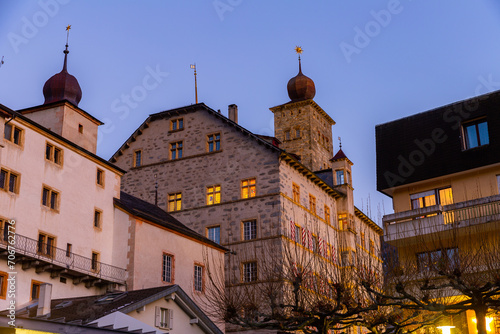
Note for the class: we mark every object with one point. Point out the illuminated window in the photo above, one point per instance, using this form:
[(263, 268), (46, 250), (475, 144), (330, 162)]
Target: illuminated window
[(100, 177), (176, 124), (167, 273), (327, 215), (213, 142), (198, 278), (249, 272), (248, 188), (213, 233), (95, 261), (176, 150), (13, 134), (340, 177), (53, 153), (431, 197), (46, 244), (312, 203), (137, 158), (9, 181), (50, 198), (296, 193), (97, 218), (250, 229), (343, 221), (174, 202), (213, 195), (476, 134)]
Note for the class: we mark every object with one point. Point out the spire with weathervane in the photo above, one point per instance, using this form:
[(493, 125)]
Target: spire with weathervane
[(63, 86)]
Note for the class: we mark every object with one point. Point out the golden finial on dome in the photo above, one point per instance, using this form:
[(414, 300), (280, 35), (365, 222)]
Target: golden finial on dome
[(298, 49)]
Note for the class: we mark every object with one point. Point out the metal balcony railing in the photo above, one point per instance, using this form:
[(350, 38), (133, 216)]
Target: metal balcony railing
[(440, 218), (48, 254)]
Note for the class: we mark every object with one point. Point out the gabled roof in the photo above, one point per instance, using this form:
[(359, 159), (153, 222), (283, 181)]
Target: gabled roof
[(147, 211), (288, 157), (49, 133), (86, 310)]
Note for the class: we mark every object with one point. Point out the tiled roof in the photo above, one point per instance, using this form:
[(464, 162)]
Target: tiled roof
[(154, 214)]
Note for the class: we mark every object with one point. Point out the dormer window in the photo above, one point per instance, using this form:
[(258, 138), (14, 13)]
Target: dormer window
[(340, 177), (475, 133)]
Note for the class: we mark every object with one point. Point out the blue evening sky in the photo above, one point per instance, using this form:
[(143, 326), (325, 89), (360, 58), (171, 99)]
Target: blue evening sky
[(372, 61)]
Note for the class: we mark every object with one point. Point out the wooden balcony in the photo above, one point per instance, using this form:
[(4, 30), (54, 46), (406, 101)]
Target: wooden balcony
[(435, 219), (30, 253)]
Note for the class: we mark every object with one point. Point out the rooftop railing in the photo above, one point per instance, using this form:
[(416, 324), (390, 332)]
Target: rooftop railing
[(61, 259)]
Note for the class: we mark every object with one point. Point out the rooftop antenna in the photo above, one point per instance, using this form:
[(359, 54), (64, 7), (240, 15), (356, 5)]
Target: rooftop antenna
[(1, 62), (156, 191), (193, 66)]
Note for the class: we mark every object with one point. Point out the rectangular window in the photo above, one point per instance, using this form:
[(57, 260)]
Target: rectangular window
[(164, 317), (297, 133), (13, 134), (250, 229), (431, 197), (3, 284), (174, 202), (176, 124), (100, 177), (137, 158), (249, 272), (438, 260), (213, 142), (46, 245), (213, 233), (50, 198), (327, 215), (80, 128), (167, 268), (312, 203), (198, 278), (176, 150), (213, 195), (69, 247), (340, 177), (5, 229), (53, 154), (248, 188), (97, 218), (287, 135), (343, 221), (296, 193), (95, 261), (35, 289), (9, 181), (476, 134)]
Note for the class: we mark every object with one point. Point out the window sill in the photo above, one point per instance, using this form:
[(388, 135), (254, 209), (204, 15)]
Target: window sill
[(177, 130), (477, 148), (46, 208)]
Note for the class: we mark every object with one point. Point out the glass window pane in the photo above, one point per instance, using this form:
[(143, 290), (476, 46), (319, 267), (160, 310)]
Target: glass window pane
[(483, 133), (445, 196), (3, 177), (471, 136), (48, 148), (17, 135), (7, 132), (12, 182)]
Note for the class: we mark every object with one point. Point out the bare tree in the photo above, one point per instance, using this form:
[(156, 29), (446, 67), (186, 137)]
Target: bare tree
[(447, 270)]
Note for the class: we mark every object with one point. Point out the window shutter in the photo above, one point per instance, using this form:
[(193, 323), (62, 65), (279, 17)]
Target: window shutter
[(171, 319), (157, 316)]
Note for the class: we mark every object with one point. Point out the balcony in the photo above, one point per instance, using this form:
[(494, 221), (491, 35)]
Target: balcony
[(31, 253), (438, 218)]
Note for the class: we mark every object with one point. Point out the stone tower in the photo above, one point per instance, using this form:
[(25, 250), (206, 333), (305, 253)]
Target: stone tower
[(302, 126)]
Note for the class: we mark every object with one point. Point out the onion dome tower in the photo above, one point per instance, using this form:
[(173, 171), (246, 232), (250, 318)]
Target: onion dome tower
[(302, 126), (62, 86), (301, 87)]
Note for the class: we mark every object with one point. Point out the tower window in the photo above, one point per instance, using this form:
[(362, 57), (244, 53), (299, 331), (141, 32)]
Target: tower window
[(174, 202), (297, 133), (176, 124), (248, 188), (213, 142), (137, 158), (213, 195), (340, 177), (176, 150), (287, 135)]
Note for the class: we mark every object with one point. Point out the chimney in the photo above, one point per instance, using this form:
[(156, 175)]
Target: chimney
[(44, 299), (232, 113)]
